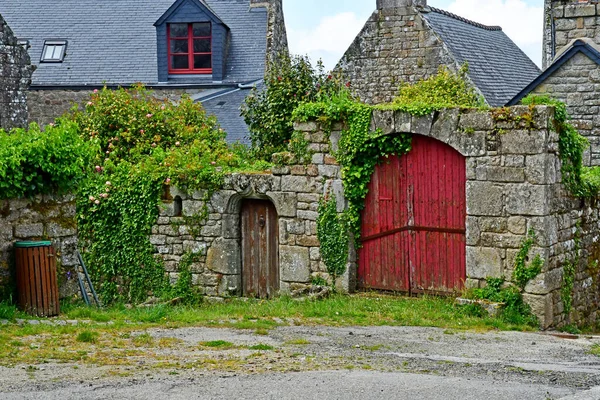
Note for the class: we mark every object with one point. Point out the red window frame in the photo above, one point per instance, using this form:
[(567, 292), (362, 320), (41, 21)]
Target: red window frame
[(190, 51)]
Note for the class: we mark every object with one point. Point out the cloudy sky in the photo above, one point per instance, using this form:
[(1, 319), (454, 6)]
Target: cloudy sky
[(325, 28)]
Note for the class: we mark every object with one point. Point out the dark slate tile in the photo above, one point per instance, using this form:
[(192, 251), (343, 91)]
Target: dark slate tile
[(497, 66)]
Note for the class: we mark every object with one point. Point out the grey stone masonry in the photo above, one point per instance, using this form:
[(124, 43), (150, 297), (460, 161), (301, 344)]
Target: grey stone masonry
[(277, 42), (396, 45), (42, 218), (15, 78), (45, 105)]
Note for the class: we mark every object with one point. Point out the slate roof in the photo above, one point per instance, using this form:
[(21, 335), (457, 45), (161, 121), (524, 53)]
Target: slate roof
[(114, 41), (226, 107), (497, 66), (577, 46)]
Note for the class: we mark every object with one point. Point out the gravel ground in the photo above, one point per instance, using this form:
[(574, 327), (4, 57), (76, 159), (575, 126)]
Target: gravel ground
[(325, 362)]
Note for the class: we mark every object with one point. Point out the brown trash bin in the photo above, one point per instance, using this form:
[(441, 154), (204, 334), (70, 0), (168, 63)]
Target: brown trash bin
[(37, 287)]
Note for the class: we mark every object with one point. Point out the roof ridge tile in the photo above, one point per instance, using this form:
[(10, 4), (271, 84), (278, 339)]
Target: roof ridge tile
[(462, 19)]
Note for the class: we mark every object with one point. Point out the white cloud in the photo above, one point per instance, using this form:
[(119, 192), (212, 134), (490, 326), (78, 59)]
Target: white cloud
[(329, 40), (523, 23)]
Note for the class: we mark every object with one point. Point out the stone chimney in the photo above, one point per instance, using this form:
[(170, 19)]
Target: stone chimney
[(383, 4), (276, 32)]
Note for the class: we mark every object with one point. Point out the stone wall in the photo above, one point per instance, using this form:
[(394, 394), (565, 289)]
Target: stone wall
[(45, 105), (514, 185), (565, 21), (15, 78), (577, 82), (294, 191), (396, 45), (45, 217)]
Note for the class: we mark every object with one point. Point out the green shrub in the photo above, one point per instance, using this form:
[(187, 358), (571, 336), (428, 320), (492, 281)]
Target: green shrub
[(515, 311), (37, 162), (443, 90)]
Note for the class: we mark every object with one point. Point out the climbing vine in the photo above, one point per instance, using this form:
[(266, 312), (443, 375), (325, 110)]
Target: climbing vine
[(145, 145), (523, 273), (360, 149), (332, 232), (580, 180)]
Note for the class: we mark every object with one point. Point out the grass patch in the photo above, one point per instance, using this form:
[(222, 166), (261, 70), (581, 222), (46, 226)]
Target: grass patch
[(143, 340), (87, 337), (299, 342), (374, 347), (120, 340), (595, 350), (218, 344), (261, 346), (364, 309)]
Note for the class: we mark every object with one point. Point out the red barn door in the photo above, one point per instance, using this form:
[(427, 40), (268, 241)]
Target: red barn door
[(414, 222)]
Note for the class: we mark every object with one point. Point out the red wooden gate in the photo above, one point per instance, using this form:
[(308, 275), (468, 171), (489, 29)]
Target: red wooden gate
[(413, 224)]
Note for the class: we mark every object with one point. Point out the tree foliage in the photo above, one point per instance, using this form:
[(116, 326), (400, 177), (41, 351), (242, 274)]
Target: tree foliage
[(289, 82)]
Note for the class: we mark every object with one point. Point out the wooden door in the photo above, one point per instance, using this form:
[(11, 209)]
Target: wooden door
[(260, 249), (414, 222)]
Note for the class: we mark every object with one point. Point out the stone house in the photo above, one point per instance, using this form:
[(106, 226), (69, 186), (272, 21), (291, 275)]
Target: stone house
[(406, 40), (214, 50)]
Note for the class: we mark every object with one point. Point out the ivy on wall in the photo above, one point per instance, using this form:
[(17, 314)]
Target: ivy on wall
[(580, 180), (332, 231), (361, 150)]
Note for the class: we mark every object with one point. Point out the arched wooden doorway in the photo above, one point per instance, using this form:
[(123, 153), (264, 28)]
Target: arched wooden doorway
[(414, 222), (260, 244)]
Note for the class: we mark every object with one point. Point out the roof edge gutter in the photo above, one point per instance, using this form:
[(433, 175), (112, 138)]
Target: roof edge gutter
[(154, 86)]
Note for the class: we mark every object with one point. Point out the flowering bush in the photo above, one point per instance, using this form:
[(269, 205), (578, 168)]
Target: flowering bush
[(144, 143)]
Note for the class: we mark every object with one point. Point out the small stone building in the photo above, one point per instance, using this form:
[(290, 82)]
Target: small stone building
[(15, 77), (406, 40)]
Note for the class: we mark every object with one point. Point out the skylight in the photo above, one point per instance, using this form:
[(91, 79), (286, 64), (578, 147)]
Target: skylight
[(54, 51)]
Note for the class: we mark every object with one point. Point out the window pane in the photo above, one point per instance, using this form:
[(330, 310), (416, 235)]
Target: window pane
[(202, 29), (57, 52), (201, 45), (179, 46), (180, 62), (49, 52), (203, 61), (179, 30)]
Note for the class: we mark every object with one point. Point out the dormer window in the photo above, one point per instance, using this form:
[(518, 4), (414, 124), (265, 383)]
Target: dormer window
[(190, 48), (54, 51)]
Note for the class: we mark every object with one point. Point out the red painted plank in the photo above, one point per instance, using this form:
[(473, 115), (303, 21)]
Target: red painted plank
[(414, 221)]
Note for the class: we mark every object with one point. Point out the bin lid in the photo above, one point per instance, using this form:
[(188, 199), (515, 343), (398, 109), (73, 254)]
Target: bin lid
[(34, 244)]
